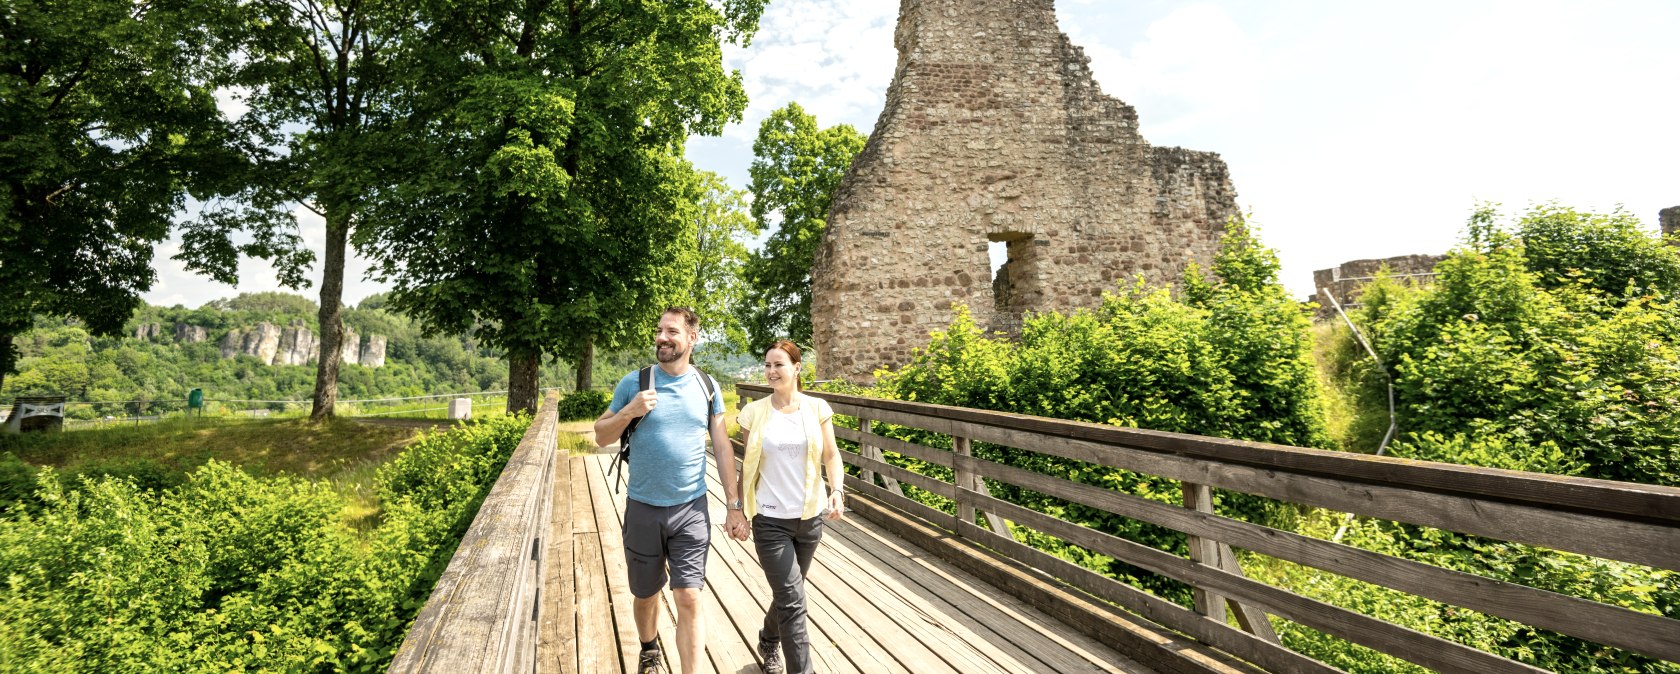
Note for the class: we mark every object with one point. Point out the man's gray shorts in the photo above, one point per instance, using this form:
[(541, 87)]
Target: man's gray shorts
[(659, 537)]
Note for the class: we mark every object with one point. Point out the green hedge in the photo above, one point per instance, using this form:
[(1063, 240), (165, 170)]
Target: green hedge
[(229, 572)]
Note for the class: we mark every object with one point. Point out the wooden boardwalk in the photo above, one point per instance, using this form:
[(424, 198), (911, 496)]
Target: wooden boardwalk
[(877, 603)]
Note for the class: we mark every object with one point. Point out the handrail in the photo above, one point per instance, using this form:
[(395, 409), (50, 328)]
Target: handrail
[(483, 613), (1621, 521)]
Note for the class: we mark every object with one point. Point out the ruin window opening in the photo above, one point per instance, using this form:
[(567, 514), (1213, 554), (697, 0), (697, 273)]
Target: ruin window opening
[(1012, 261)]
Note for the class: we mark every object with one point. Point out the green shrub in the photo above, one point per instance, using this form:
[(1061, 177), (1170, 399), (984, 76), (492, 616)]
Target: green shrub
[(17, 481), (229, 572), (1230, 358), (585, 404)]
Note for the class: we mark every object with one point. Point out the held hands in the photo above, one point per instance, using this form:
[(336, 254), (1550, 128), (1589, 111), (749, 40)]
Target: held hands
[(836, 505), (735, 524), (641, 404)]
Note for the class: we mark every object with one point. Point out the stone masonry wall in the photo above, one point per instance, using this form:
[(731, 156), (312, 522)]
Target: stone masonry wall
[(1348, 280), (995, 131), (1669, 219)]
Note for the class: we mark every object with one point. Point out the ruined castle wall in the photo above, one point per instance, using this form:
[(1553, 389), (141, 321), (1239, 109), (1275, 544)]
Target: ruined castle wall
[(1669, 220), (995, 131)]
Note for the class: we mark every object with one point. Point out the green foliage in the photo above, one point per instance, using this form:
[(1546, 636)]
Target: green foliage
[(546, 200), (1510, 360), (111, 124), (233, 572), (796, 169), (60, 357), (585, 404), (1611, 253), (1231, 359), (1550, 348), (721, 224)]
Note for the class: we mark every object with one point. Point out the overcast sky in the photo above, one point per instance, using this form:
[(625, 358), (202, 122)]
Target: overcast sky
[(1352, 130)]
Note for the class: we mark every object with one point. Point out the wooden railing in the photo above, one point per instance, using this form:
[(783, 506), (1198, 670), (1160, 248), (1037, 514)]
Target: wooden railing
[(1613, 520), (482, 615)]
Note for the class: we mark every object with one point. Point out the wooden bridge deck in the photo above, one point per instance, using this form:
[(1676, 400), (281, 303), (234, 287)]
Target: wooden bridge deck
[(877, 602)]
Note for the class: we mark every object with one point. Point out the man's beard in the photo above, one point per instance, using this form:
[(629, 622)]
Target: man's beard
[(668, 353)]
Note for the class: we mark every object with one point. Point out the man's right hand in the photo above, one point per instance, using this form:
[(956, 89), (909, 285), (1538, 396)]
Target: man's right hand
[(641, 404)]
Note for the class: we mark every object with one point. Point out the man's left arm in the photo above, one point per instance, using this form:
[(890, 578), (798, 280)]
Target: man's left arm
[(724, 452)]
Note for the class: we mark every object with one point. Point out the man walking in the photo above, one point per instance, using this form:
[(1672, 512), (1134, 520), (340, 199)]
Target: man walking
[(666, 525)]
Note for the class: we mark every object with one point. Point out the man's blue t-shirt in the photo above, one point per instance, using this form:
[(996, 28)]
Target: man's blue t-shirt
[(668, 452)]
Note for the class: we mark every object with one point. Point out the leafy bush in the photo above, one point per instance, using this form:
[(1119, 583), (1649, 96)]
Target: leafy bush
[(1550, 346), (17, 481), (232, 572), (586, 404), (1230, 358)]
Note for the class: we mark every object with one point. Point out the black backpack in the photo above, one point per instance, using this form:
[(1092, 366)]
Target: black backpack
[(644, 381)]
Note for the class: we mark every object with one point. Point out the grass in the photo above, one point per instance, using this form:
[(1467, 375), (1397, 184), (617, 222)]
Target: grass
[(342, 452)]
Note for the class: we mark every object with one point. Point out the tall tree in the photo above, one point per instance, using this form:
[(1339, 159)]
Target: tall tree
[(722, 221), (108, 124), (796, 168), (547, 211), (319, 76)]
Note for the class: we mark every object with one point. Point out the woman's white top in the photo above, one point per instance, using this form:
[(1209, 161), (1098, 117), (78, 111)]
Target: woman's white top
[(781, 486)]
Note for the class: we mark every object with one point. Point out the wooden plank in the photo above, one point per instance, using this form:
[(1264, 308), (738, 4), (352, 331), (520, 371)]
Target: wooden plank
[(1585, 495), (747, 606), (1427, 650), (905, 475), (996, 623), (897, 633), (1150, 645), (910, 449), (1620, 539), (597, 647), (557, 642), (1652, 635), (608, 521), (480, 613)]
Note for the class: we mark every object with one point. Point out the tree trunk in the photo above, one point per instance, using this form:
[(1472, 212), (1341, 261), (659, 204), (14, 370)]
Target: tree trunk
[(5, 358), (586, 366), (522, 380), (331, 315)]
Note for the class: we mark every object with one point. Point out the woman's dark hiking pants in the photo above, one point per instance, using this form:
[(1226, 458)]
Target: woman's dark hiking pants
[(785, 547)]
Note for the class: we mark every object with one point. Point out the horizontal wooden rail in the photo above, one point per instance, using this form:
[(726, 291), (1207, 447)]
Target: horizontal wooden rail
[(1620, 521), (482, 615)]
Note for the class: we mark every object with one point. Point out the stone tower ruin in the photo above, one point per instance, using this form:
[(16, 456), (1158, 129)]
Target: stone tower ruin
[(995, 133), (1669, 220)]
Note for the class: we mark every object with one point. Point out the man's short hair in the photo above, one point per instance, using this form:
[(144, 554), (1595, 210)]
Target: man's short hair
[(690, 319)]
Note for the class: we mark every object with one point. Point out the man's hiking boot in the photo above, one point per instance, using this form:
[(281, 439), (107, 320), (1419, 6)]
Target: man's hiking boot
[(651, 663), (771, 653)]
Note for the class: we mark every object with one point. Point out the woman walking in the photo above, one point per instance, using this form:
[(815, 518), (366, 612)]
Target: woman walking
[(790, 443)]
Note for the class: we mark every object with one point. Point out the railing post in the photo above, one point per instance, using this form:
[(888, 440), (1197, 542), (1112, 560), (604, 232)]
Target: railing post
[(1209, 552), (865, 426), (963, 478)]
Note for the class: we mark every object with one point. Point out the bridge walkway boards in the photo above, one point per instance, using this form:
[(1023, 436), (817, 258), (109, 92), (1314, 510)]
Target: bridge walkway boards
[(877, 603)]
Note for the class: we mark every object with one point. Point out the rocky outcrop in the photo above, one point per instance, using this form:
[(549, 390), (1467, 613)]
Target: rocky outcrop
[(373, 355), (261, 342), (232, 344), (297, 346), (148, 332), (350, 350), (190, 334)]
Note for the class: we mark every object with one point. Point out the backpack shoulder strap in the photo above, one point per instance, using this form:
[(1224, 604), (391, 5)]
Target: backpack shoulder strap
[(707, 383), (645, 379)]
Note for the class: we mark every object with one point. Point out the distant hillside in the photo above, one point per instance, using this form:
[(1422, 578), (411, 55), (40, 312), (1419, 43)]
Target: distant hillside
[(262, 346)]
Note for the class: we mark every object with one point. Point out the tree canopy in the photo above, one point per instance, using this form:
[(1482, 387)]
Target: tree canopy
[(546, 204), (109, 126), (796, 168)]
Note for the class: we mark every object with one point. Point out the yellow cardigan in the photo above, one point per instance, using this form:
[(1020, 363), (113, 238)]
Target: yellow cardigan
[(814, 412)]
